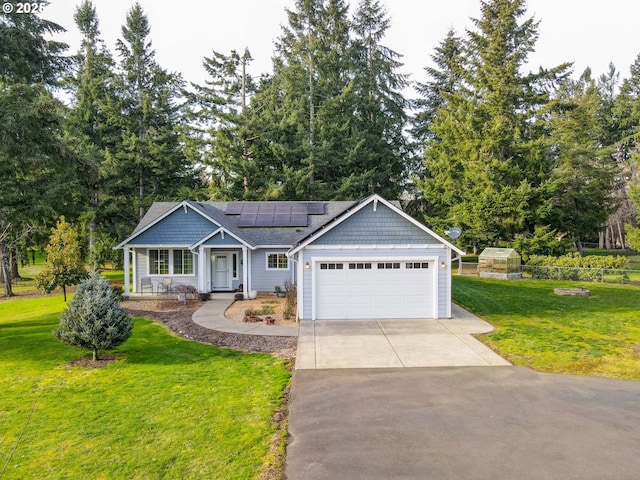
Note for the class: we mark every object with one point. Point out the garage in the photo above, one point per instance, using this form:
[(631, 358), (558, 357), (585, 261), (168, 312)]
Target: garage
[(375, 288)]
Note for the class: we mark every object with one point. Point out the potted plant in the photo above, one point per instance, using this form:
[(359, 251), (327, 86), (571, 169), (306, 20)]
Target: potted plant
[(279, 292), (251, 316)]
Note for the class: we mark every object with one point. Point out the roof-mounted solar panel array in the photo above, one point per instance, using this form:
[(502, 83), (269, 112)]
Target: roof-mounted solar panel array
[(274, 214)]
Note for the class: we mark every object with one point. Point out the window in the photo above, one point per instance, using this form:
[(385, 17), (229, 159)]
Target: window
[(170, 262), (159, 262), (182, 262), (234, 266), (388, 266), (359, 266), (277, 261), (331, 266), (417, 265)]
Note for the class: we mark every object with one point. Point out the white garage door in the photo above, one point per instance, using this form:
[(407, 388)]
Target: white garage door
[(374, 289)]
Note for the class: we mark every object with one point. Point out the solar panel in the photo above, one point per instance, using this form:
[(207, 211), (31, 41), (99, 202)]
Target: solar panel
[(283, 207), (234, 208), (264, 220), (266, 208), (282, 220), (298, 220), (251, 208), (247, 220), (299, 208), (315, 208)]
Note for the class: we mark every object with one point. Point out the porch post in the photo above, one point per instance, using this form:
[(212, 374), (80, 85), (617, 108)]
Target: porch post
[(202, 270), (245, 272), (126, 273)]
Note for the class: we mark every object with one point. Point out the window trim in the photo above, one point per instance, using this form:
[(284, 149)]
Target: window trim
[(278, 268), (170, 264)]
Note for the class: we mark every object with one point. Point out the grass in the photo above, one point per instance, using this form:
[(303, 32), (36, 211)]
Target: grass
[(167, 408), (597, 335)]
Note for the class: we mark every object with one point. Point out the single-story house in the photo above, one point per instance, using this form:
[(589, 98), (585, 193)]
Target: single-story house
[(361, 259)]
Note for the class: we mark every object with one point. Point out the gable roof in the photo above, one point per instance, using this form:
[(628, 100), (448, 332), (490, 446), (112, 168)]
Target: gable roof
[(158, 212), (293, 237), (358, 206), (253, 237)]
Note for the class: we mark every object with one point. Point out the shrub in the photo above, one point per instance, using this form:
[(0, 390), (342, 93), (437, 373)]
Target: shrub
[(574, 267), (63, 266), (94, 319)]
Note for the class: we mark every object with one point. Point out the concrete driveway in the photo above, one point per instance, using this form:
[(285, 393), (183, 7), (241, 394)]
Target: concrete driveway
[(395, 343), (461, 423)]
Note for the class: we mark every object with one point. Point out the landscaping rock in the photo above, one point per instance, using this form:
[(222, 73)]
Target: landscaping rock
[(572, 292)]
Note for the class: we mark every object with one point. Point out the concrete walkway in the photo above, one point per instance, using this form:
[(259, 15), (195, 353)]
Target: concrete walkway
[(211, 315)]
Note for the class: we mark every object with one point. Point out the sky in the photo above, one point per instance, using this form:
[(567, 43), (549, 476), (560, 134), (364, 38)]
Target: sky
[(590, 33)]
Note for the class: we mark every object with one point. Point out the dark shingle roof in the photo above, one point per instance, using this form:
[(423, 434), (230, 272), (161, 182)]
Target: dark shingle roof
[(254, 236)]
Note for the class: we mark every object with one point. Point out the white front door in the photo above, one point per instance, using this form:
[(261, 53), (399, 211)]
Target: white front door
[(220, 271)]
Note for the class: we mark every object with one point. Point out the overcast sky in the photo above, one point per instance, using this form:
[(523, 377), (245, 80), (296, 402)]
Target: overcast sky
[(587, 32)]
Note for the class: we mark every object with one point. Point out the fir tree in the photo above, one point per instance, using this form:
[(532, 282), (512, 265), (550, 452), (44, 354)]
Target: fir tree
[(94, 319), (88, 129), (36, 170), (486, 166), (149, 162), (584, 176)]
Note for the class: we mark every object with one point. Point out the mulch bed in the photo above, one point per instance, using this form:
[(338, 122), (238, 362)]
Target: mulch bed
[(177, 317)]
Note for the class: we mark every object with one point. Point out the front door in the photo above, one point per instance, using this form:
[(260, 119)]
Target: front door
[(220, 271)]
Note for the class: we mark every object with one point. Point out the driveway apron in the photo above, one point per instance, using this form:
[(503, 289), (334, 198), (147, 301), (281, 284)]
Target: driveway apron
[(395, 343), (461, 423)]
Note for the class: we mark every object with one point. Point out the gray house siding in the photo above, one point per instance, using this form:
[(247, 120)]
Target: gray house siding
[(182, 227), (442, 254), (265, 280), (382, 226), (217, 240)]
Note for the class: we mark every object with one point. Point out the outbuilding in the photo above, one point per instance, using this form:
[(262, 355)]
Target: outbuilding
[(502, 263)]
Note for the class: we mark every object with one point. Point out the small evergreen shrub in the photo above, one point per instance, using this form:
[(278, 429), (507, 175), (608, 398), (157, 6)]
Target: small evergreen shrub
[(94, 319)]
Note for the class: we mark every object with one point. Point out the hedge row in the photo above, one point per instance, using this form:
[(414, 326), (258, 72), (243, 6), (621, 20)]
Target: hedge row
[(591, 268)]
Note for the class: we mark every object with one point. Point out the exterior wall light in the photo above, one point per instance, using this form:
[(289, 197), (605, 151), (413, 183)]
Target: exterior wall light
[(443, 264), (307, 266)]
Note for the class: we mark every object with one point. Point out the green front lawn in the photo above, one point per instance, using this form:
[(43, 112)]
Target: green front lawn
[(167, 408), (597, 335)]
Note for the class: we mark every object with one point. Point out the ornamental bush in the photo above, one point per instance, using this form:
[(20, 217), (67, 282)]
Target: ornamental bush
[(63, 266), (94, 319)]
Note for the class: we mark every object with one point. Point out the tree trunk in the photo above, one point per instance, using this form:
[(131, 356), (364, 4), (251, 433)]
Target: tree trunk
[(15, 273), (620, 233), (64, 292), (6, 270), (578, 245), (95, 354)]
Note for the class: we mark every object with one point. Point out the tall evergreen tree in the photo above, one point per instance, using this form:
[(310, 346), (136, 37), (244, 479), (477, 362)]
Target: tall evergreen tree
[(487, 168), (627, 110), (310, 72), (88, 129), (445, 78), (585, 172), (149, 162), (35, 169), (221, 126), (378, 154)]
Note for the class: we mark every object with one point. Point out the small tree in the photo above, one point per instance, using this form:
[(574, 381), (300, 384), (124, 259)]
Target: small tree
[(63, 265), (94, 319)]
